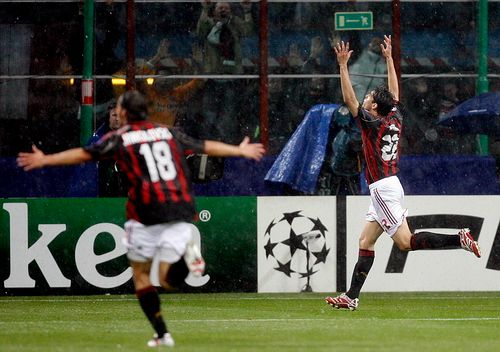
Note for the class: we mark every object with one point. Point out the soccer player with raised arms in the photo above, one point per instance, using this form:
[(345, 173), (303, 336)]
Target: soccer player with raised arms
[(380, 118), (160, 201)]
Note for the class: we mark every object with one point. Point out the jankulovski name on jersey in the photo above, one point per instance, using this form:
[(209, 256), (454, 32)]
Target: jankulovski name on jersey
[(152, 156), (144, 136)]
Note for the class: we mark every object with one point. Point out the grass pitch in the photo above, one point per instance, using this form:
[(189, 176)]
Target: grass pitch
[(255, 322)]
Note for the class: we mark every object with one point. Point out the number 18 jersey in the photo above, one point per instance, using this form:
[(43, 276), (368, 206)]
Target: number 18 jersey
[(152, 156)]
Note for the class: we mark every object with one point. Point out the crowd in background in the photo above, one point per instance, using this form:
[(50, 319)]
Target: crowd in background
[(218, 38)]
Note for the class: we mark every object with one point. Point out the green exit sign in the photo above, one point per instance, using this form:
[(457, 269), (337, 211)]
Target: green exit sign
[(353, 20)]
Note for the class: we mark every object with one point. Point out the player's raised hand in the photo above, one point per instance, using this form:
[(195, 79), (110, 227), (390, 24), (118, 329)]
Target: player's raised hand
[(30, 161), (205, 3), (343, 53), (386, 47), (253, 151), (294, 58)]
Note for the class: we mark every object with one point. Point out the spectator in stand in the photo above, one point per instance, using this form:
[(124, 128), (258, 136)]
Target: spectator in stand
[(316, 60), (112, 181), (305, 14), (450, 141), (307, 92), (369, 64), (449, 98), (279, 129), (319, 63), (317, 91), (284, 101), (190, 116), (421, 136), (287, 95), (108, 36), (423, 133), (112, 123), (319, 16), (195, 60), (222, 32), (167, 96), (61, 114)]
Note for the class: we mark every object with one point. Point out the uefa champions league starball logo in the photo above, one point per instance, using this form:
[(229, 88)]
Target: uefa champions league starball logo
[(297, 245)]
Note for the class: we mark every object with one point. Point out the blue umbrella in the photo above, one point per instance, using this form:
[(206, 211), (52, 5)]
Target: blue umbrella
[(478, 115)]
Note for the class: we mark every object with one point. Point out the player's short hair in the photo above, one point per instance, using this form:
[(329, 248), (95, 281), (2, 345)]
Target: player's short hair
[(384, 99), (135, 104)]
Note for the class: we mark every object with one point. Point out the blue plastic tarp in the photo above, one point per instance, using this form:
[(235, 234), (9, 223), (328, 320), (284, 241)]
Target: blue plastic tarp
[(299, 163)]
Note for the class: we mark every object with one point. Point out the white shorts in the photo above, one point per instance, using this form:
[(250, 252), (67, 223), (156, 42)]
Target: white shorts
[(386, 204), (168, 239)]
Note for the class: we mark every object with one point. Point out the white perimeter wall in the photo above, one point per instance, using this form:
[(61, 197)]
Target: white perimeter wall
[(430, 270), (426, 270)]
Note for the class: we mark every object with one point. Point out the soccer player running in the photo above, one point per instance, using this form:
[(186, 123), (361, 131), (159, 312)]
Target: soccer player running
[(160, 201), (380, 119)]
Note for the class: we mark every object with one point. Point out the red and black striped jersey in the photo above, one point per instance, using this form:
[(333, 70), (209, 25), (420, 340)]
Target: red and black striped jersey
[(152, 156), (381, 142)]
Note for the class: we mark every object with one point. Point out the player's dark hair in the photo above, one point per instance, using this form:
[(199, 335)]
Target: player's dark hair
[(384, 99), (135, 104), (111, 106)]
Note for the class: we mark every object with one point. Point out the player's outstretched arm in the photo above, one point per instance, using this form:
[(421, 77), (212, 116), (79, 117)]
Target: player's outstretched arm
[(392, 78), (343, 55), (246, 149), (37, 159)]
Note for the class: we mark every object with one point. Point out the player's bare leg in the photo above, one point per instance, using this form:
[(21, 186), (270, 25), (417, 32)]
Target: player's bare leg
[(150, 303), (162, 275), (402, 237)]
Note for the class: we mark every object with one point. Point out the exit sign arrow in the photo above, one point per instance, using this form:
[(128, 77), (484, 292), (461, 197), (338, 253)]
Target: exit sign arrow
[(353, 20)]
